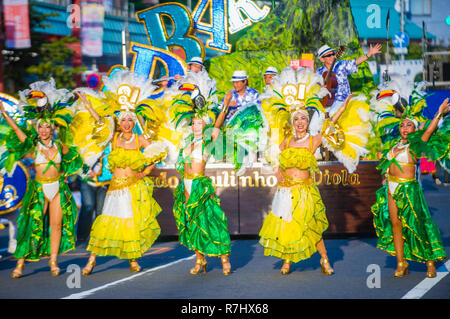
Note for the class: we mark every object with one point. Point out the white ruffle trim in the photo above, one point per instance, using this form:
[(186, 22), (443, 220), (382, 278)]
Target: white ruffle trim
[(282, 203)]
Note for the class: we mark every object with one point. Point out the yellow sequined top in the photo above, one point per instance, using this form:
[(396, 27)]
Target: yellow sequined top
[(122, 157), (301, 158)]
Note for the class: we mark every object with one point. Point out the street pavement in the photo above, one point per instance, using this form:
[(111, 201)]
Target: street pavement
[(361, 272)]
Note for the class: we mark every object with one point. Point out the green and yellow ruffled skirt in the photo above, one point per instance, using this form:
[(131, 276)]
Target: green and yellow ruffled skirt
[(294, 236), (127, 227), (202, 224), (422, 240)]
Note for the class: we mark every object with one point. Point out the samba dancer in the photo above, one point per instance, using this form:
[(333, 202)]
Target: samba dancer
[(402, 218), (46, 221), (127, 227), (202, 224), (293, 230)]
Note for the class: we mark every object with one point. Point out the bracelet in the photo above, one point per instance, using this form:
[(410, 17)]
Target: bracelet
[(367, 56), (439, 115), (4, 114)]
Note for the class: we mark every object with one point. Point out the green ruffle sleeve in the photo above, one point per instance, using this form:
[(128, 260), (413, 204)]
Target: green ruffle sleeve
[(71, 162), (437, 147), (15, 149)]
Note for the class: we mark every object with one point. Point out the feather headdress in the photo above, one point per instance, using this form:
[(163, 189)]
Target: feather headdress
[(390, 108), (44, 102)]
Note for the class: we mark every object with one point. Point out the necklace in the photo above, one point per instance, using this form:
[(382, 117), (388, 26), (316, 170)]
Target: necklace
[(125, 140), (297, 140), (45, 147), (401, 145)]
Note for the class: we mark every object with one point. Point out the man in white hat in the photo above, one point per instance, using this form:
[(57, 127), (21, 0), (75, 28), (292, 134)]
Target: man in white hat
[(235, 98), (195, 65), (269, 74), (342, 69)]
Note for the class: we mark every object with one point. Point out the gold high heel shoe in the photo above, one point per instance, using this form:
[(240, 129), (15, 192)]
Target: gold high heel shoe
[(226, 270), (87, 271), (200, 264), (135, 267), (405, 269), (286, 270), (431, 273), (16, 273), (323, 269), (54, 269)]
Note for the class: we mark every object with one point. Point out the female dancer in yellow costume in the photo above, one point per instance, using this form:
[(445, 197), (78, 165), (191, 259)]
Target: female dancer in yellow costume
[(293, 229), (127, 226)]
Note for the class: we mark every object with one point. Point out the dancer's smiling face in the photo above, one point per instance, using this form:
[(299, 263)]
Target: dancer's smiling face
[(197, 127), (45, 130), (126, 124), (300, 123), (407, 127)]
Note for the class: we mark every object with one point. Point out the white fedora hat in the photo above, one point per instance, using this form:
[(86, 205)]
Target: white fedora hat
[(239, 75), (196, 60), (271, 70), (324, 49)]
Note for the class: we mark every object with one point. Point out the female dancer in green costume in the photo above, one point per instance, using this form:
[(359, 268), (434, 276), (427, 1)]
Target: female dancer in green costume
[(202, 224), (402, 219), (40, 233)]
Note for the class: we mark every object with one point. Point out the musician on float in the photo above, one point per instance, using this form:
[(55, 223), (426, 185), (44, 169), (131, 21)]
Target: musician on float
[(195, 65), (341, 71)]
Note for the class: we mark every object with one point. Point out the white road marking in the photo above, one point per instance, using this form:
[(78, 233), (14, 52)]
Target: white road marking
[(87, 293), (425, 285)]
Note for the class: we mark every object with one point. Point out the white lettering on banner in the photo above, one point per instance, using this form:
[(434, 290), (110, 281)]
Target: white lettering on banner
[(238, 8)]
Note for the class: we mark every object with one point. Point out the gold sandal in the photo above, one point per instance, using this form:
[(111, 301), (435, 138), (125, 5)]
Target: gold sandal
[(323, 269), (87, 271), (136, 267), (431, 273), (17, 272), (226, 270), (404, 271), (201, 262), (54, 269), (286, 268)]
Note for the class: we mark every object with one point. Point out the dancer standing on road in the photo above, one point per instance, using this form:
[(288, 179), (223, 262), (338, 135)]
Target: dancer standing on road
[(46, 221), (293, 230), (127, 227), (402, 219), (202, 224)]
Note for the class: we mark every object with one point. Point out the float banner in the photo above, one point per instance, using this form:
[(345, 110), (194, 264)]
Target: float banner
[(17, 24), (92, 18)]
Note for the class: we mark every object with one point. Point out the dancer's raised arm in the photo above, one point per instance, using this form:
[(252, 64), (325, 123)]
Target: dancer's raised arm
[(443, 109), (20, 134)]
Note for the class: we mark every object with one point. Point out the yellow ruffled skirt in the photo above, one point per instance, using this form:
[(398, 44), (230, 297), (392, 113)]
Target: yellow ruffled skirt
[(127, 227), (296, 223)]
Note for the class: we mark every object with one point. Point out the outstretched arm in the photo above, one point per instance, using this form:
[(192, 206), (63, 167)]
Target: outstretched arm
[(341, 110), (372, 51), (88, 106), (222, 114), (20, 134), (443, 109)]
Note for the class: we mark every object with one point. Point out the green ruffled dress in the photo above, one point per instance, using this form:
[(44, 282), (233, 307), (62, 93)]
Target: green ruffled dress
[(422, 239), (33, 229), (202, 224)]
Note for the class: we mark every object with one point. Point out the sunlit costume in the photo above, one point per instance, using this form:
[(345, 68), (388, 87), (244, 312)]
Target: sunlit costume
[(43, 103), (297, 220), (127, 227), (422, 240), (202, 224)]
